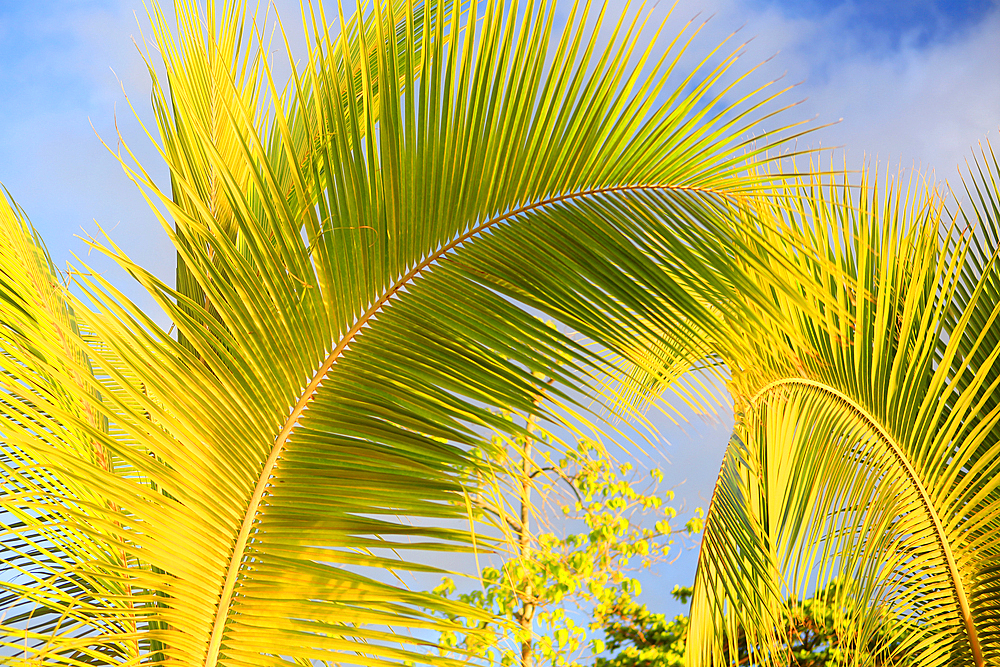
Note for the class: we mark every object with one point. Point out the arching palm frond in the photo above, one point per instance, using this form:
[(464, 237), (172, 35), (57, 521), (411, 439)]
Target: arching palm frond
[(357, 265), (873, 464)]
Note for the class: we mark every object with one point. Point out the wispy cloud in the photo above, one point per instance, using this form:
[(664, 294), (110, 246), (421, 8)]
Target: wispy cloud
[(922, 95)]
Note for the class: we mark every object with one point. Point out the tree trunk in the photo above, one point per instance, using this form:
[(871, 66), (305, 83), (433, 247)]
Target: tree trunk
[(527, 614)]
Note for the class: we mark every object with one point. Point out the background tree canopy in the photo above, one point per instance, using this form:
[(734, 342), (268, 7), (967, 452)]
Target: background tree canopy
[(809, 634), (361, 255), (583, 524)]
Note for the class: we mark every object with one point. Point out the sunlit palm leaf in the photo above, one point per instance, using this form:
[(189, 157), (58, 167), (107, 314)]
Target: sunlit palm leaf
[(355, 261), (58, 546), (874, 461)]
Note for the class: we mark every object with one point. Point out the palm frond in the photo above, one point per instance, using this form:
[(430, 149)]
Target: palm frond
[(62, 562), (357, 266), (873, 463)]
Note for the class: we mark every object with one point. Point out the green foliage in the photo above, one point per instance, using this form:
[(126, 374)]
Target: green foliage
[(872, 458), (626, 524), (810, 631), (360, 251), (638, 638)]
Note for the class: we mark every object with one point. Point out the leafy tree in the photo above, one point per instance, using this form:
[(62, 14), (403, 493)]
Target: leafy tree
[(810, 636), (637, 638), (557, 569)]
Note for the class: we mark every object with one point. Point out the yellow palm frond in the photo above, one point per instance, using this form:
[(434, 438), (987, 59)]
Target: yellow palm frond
[(357, 266), (872, 463)]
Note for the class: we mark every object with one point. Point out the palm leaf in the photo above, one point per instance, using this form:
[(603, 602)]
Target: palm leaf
[(873, 463), (357, 265)]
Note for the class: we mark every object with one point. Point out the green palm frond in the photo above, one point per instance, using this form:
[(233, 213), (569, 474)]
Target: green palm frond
[(358, 262), (873, 461)]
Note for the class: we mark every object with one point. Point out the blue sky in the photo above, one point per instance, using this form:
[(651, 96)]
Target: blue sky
[(888, 25), (915, 82)]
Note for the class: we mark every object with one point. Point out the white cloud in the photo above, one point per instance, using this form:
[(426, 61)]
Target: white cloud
[(912, 106), (924, 103)]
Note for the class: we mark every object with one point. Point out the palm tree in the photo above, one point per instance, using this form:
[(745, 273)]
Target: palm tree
[(359, 255)]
